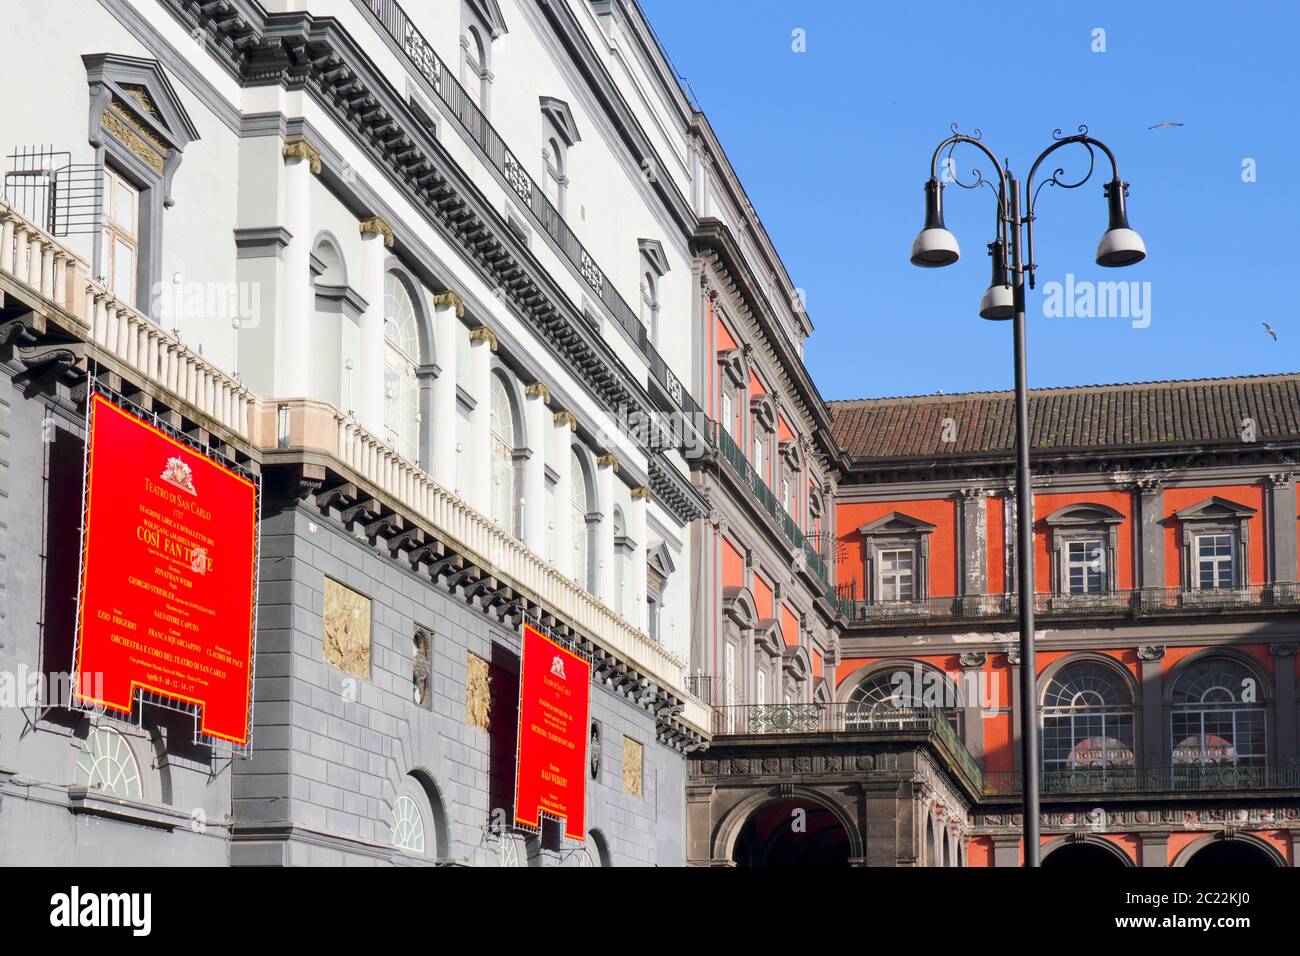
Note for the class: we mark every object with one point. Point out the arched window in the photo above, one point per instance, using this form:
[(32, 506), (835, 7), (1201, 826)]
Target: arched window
[(1218, 716), (650, 304), (106, 762), (1087, 720), (580, 506), (899, 697), (401, 364), (408, 825), (475, 73), (504, 442), (556, 177), (622, 563)]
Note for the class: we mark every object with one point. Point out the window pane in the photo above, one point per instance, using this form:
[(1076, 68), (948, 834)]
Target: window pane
[(124, 202), (123, 270)]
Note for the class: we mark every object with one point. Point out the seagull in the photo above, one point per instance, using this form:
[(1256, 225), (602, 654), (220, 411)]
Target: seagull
[(1163, 125), (1269, 329)]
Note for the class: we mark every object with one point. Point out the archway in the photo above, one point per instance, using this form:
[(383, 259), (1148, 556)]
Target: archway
[(797, 832), (1086, 853), (1237, 852)]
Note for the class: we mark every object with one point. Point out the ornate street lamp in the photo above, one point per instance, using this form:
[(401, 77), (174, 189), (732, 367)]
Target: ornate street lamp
[(1005, 299)]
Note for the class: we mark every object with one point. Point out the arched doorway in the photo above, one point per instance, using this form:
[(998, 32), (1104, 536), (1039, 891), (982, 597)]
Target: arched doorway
[(1086, 854), (797, 832), (1232, 853)]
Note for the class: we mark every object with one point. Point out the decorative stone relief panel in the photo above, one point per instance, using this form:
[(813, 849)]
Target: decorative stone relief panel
[(633, 767), (347, 629), (478, 692)]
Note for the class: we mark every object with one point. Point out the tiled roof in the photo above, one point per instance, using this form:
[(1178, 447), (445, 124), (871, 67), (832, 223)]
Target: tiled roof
[(1065, 419)]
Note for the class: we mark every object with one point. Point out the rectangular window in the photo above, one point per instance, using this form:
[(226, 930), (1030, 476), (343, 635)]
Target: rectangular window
[(728, 414), (121, 236), (758, 457), (760, 687), (729, 684), (897, 575), (1084, 567), (1214, 562)]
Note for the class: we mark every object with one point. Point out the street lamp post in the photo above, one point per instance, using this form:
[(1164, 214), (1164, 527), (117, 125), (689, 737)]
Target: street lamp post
[(1005, 299)]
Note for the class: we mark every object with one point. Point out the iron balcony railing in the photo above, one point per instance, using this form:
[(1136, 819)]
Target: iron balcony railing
[(440, 80), (768, 502), (1181, 778), (842, 717), (1130, 603)]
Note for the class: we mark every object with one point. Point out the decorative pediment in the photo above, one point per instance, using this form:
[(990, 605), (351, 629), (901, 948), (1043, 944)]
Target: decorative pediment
[(791, 452), (896, 523), (489, 11), (132, 101), (659, 559), (561, 117), (764, 411), (767, 636), (1083, 515), (653, 250), (735, 366), (1214, 508), (797, 662), (738, 605)]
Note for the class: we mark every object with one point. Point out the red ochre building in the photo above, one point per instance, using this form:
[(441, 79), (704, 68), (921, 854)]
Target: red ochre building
[(1165, 588)]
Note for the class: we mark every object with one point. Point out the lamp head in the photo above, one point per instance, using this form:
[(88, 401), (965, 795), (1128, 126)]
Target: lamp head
[(999, 301), (1121, 245), (934, 245)]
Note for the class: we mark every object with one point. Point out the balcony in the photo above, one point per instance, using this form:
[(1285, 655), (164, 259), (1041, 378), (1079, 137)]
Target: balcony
[(766, 500), (1133, 604), (843, 718), (1184, 778)]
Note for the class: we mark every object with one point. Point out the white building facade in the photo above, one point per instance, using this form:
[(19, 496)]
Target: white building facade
[(427, 269)]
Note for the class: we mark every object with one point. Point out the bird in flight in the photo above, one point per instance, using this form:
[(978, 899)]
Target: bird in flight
[(1269, 329), (1163, 125)]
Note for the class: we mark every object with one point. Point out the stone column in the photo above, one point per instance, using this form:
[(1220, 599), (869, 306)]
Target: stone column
[(296, 301), (1151, 534), (606, 573), (376, 239), (972, 665), (972, 519), (537, 398), (1013, 658), (447, 310), (1284, 657), (564, 423), (1282, 529), (478, 484), (636, 530), (1155, 753)]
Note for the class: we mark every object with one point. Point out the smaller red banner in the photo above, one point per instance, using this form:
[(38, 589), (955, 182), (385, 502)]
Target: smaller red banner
[(554, 702)]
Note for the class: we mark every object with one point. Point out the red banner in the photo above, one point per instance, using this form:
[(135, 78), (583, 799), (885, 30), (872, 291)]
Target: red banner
[(554, 700), (167, 579)]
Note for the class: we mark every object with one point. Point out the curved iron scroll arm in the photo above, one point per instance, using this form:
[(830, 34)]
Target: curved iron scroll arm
[(1031, 193), (950, 143)]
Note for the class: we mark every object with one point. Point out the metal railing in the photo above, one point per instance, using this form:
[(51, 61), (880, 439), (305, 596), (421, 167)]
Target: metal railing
[(1133, 603), (441, 81), (1181, 778), (844, 717), (768, 502)]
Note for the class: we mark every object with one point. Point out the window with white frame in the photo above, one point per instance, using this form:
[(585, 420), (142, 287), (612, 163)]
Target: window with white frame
[(760, 686), (1085, 566), (107, 763), (121, 236), (1218, 715), (758, 462), (1215, 561), (728, 411), (729, 683), (555, 179), (503, 457), (401, 366), (897, 575), (474, 73), (1087, 719)]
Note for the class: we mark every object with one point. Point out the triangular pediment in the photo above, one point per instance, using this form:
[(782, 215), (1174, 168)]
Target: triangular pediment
[(1214, 507), (896, 523)]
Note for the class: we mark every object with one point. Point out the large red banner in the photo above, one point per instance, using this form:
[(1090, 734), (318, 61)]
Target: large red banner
[(554, 700), (167, 579)]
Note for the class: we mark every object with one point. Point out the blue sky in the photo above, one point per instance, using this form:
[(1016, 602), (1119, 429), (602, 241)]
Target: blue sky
[(833, 146)]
